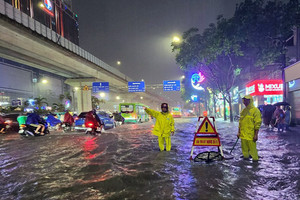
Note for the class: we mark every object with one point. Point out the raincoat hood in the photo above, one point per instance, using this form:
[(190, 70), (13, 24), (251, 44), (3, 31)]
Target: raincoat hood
[(251, 104)]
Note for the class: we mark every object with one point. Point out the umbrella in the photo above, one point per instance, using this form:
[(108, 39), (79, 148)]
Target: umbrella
[(281, 104)]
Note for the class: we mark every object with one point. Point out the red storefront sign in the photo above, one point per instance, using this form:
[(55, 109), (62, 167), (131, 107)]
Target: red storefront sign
[(265, 87)]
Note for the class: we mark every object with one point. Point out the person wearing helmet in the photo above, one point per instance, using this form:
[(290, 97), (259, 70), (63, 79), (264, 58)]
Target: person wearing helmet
[(164, 126), (249, 124)]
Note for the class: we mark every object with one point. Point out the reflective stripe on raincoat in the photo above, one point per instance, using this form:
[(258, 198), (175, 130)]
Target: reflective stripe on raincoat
[(250, 120), (164, 124)]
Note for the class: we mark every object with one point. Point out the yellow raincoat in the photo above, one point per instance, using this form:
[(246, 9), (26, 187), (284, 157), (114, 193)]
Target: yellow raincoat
[(164, 125), (250, 121)]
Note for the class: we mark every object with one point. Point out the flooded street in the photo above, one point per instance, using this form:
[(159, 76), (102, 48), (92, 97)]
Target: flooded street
[(125, 163)]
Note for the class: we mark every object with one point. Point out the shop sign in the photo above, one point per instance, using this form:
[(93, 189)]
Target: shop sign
[(196, 81), (48, 7), (194, 98), (235, 96), (265, 87), (294, 85), (16, 102)]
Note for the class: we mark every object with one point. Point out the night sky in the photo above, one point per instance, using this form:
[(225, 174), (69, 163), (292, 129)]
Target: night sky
[(139, 32)]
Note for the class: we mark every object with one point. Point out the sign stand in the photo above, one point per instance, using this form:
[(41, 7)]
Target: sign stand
[(206, 135)]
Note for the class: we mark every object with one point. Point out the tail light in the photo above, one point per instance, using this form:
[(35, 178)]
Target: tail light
[(76, 118), (22, 125), (90, 124)]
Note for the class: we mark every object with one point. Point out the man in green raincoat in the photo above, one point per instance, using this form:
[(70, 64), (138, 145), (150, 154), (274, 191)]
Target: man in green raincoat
[(249, 124), (164, 126)]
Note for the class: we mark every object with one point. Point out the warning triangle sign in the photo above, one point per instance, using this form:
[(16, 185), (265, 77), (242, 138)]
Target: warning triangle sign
[(206, 127)]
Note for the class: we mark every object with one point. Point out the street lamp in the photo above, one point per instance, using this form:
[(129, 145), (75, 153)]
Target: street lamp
[(176, 39), (76, 88), (44, 81), (142, 97), (102, 94), (118, 98), (42, 5), (182, 77), (118, 62)]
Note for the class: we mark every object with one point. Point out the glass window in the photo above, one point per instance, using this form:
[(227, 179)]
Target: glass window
[(127, 108)]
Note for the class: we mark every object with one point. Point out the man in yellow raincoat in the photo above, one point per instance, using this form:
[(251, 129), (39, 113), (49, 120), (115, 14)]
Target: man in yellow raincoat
[(164, 126), (249, 124)]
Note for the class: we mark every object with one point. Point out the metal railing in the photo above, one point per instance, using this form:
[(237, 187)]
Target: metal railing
[(22, 18)]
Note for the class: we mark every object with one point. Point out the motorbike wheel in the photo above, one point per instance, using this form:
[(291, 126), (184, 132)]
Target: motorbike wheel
[(28, 133)]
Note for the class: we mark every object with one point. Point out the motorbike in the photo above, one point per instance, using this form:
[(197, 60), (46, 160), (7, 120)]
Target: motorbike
[(93, 129), (67, 127), (27, 130)]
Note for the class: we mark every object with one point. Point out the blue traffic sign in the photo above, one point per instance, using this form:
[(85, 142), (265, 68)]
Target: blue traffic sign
[(136, 86), (100, 87), (172, 85)]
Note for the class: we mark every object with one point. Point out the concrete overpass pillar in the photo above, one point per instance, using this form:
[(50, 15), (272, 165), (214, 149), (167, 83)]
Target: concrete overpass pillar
[(84, 100), (83, 93)]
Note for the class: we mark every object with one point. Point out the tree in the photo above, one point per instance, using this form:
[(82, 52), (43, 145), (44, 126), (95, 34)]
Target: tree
[(264, 29), (255, 36), (213, 53), (58, 107), (40, 101), (96, 102)]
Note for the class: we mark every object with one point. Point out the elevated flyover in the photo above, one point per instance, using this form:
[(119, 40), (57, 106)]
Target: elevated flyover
[(26, 41)]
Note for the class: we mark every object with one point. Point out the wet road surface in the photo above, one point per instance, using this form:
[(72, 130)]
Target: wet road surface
[(125, 163)]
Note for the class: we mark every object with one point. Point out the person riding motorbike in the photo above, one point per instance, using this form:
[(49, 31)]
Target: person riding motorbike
[(101, 124), (2, 125), (68, 119), (34, 120), (93, 121), (53, 121)]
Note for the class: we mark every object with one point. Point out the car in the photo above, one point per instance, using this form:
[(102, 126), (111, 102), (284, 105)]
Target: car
[(107, 119)]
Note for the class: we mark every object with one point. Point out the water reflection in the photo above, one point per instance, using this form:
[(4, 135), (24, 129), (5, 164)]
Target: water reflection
[(88, 146), (125, 163)]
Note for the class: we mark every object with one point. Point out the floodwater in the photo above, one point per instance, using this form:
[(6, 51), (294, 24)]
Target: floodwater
[(125, 163)]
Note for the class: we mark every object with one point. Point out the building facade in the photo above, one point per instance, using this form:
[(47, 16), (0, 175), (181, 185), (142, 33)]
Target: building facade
[(56, 15)]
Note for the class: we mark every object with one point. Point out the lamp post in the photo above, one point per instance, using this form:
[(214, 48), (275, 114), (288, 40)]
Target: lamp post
[(176, 39)]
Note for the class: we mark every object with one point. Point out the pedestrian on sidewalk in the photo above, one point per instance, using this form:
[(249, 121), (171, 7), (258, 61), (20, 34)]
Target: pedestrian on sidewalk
[(249, 124), (164, 126), (279, 115), (288, 117)]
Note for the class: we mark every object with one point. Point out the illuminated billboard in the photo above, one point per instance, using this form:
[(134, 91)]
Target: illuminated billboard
[(196, 80), (265, 87), (48, 7)]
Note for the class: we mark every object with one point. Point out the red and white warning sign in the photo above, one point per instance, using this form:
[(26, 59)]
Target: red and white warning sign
[(206, 127), (206, 135)]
